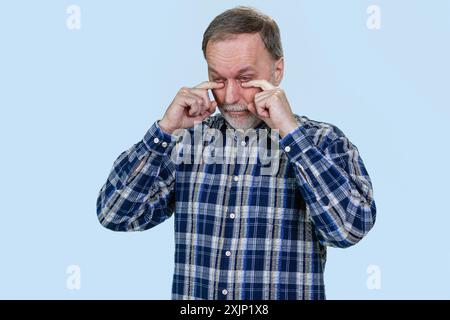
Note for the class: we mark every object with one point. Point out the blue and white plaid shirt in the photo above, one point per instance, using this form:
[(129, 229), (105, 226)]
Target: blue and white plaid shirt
[(239, 233)]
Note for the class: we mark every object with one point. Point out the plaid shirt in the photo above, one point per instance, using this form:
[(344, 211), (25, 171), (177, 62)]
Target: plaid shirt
[(241, 234)]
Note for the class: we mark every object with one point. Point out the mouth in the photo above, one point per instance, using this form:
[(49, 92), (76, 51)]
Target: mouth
[(238, 113)]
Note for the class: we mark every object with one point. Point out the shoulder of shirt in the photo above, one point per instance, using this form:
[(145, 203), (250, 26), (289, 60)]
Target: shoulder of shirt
[(322, 133)]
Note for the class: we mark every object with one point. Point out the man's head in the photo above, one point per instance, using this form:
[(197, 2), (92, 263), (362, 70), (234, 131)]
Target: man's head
[(240, 45)]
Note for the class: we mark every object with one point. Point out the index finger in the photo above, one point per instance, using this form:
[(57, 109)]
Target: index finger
[(209, 85), (263, 84)]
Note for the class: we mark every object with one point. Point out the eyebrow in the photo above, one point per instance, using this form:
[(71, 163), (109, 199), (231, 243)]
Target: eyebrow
[(241, 71)]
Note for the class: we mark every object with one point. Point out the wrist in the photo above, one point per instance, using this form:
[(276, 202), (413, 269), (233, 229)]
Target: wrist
[(288, 127), (164, 127)]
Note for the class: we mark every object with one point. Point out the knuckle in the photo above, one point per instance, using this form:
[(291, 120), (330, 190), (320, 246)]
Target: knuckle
[(276, 94), (184, 90)]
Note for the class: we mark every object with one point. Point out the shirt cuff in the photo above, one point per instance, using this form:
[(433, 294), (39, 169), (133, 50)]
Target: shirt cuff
[(296, 142), (156, 140)]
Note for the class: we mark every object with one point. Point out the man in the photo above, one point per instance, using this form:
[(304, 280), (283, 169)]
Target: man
[(243, 232)]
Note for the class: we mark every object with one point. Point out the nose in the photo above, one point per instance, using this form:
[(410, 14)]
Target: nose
[(232, 92)]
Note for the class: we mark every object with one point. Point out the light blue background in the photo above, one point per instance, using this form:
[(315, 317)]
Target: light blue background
[(72, 101)]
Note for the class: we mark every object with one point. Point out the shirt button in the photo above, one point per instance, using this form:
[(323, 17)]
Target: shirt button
[(164, 144), (228, 253), (232, 215), (236, 178), (287, 149), (156, 140), (224, 292)]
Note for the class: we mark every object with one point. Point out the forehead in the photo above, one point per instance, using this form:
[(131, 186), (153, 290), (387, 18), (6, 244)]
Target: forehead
[(229, 56)]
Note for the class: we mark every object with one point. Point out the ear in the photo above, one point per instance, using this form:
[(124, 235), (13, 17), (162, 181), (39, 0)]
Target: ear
[(279, 71)]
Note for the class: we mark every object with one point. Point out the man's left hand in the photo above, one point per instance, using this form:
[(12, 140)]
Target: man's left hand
[(271, 105)]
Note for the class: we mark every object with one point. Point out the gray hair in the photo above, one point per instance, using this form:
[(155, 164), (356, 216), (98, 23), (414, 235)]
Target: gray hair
[(244, 20)]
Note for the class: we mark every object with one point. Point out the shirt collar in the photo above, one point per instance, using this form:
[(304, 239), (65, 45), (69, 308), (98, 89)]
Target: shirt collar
[(223, 124)]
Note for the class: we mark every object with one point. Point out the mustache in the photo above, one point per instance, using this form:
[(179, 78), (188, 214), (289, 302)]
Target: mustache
[(234, 107)]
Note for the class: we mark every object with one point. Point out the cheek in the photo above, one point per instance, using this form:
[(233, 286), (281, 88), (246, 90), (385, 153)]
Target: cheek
[(249, 94), (218, 95)]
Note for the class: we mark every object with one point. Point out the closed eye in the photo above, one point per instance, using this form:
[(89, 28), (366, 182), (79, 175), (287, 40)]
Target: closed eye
[(245, 78)]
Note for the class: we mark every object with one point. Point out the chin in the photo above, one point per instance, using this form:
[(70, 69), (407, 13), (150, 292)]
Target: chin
[(241, 122)]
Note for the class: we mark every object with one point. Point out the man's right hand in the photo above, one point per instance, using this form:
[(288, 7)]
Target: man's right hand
[(190, 105)]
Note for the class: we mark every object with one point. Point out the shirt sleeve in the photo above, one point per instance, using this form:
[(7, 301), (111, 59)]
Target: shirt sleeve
[(334, 183), (139, 191)]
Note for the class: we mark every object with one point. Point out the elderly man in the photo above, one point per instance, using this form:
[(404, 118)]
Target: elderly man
[(243, 232)]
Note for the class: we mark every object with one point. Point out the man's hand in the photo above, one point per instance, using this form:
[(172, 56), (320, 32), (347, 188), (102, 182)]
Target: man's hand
[(272, 106), (190, 105)]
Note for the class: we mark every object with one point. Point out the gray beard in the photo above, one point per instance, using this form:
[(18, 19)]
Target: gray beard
[(242, 123)]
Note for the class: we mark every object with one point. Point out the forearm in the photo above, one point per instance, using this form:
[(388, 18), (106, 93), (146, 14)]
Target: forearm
[(335, 186), (139, 190)]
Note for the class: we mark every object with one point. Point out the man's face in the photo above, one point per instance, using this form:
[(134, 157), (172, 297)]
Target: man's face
[(233, 61)]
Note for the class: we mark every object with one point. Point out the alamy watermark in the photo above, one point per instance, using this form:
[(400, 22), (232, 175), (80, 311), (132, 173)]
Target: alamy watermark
[(209, 145), (374, 19), (73, 281), (73, 21), (373, 281)]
